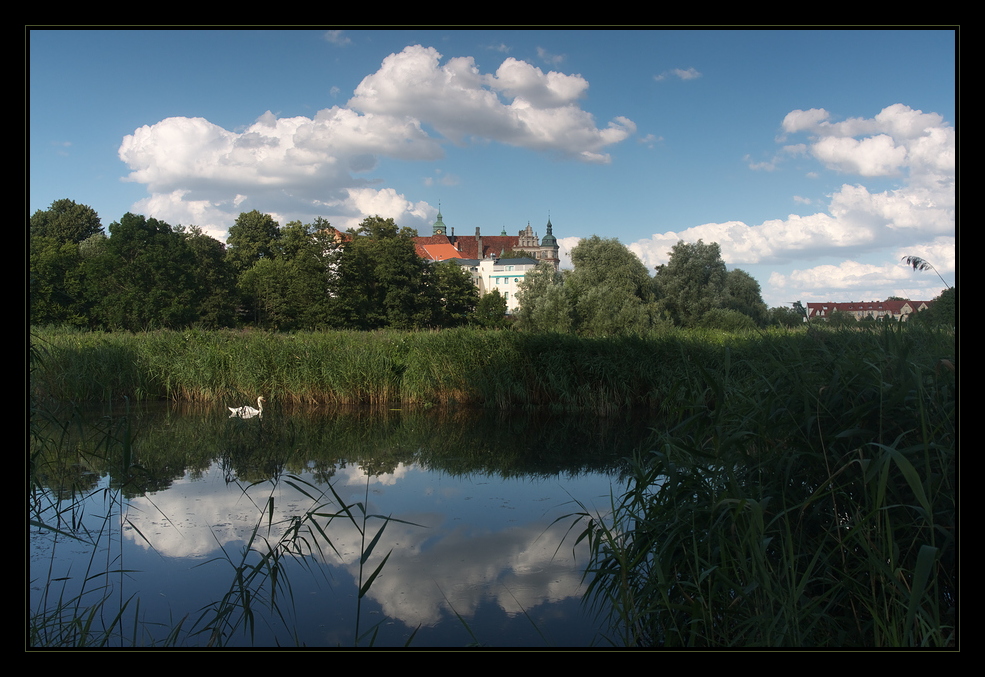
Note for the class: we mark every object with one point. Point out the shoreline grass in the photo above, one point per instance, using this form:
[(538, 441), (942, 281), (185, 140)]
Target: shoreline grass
[(471, 367), (811, 505)]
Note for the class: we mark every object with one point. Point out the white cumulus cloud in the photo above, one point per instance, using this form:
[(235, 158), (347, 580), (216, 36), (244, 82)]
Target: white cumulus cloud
[(198, 172), (459, 102), (916, 148)]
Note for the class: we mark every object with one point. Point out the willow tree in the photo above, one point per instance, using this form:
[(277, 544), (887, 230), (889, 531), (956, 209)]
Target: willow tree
[(743, 294), (611, 289), (608, 292), (692, 282), (545, 303)]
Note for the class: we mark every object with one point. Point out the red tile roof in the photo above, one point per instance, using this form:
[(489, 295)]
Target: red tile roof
[(894, 307), (466, 246), (438, 252)]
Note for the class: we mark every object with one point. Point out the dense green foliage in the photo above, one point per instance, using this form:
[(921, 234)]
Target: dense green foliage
[(150, 275), (65, 221), (490, 311), (742, 294), (382, 281), (610, 293), (807, 497), (944, 310), (692, 282), (783, 316)]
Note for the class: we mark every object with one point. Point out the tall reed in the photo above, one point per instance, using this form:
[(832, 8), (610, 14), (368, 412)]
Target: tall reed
[(500, 369), (810, 505)]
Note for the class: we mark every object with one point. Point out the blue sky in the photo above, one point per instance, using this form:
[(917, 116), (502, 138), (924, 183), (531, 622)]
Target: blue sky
[(815, 158)]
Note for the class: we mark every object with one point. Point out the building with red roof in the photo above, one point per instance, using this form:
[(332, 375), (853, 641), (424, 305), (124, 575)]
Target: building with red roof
[(897, 310), (443, 244), (481, 255)]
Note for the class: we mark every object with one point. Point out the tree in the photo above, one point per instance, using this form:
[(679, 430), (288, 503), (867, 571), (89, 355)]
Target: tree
[(490, 312), (692, 282), (608, 292), (606, 261), (253, 237), (267, 287), (545, 304), (945, 307), (143, 278), (378, 228), (66, 221), (786, 317), (943, 310), (742, 294), (214, 278), (291, 287), (695, 281), (381, 280), (55, 267), (455, 296), (55, 281), (610, 287)]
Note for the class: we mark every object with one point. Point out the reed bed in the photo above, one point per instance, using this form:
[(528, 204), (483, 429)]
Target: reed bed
[(472, 367), (497, 369), (805, 498)]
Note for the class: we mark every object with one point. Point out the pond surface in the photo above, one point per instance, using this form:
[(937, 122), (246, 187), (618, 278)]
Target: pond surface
[(477, 544)]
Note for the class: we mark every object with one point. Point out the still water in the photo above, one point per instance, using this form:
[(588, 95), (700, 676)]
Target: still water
[(471, 511)]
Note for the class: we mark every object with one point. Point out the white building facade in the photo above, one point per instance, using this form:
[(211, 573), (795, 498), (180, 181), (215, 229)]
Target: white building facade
[(503, 275)]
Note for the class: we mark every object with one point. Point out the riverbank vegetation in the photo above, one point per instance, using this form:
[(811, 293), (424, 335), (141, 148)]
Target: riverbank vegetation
[(810, 503), (148, 274), (502, 369), (801, 492)]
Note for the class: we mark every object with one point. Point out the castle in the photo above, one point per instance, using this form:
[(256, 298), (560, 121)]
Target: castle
[(441, 246), (481, 256)]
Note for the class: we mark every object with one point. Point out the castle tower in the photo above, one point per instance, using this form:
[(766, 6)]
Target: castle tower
[(549, 246), (439, 227)]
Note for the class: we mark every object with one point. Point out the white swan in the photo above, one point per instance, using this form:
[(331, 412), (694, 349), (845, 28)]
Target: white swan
[(247, 412)]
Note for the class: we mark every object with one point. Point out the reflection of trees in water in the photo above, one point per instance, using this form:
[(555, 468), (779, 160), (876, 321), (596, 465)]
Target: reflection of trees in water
[(169, 440)]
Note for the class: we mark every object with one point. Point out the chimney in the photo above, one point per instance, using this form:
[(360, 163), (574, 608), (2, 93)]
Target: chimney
[(478, 243)]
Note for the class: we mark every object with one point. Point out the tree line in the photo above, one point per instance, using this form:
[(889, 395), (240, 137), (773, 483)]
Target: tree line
[(610, 291), (148, 274)]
